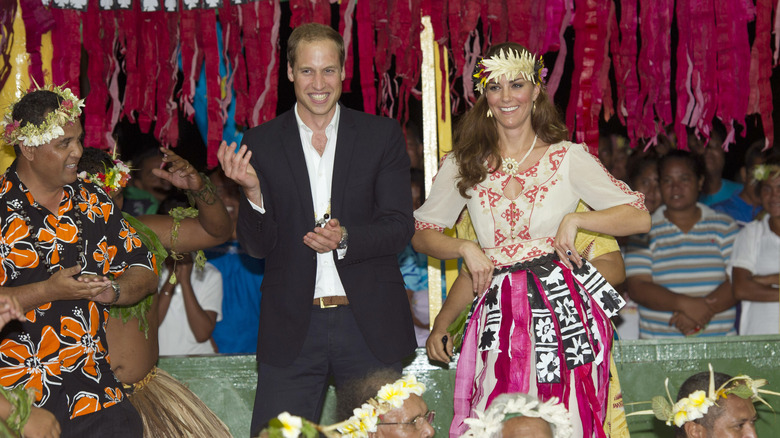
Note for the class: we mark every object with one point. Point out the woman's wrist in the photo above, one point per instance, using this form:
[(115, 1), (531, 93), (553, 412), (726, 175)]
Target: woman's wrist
[(206, 194)]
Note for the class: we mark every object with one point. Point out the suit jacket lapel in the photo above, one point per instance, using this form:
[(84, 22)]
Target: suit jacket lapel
[(345, 146), (293, 150)]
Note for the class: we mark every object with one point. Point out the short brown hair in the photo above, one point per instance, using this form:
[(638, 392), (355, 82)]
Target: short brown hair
[(310, 32)]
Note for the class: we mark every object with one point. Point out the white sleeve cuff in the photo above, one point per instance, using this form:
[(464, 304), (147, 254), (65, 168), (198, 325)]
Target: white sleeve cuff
[(258, 208)]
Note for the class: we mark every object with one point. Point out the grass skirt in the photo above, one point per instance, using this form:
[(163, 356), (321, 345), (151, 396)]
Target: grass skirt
[(170, 410)]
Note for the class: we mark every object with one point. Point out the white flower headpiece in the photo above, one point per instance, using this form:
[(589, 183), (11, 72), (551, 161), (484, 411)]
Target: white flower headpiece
[(506, 406), (389, 397), (363, 421), (697, 403), (763, 172), (512, 64), (51, 127)]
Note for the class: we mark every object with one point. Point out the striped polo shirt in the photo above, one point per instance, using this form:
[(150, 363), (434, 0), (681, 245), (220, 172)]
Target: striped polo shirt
[(692, 263)]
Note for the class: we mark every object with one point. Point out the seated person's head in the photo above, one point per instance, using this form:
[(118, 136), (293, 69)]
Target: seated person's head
[(144, 179), (521, 416), (375, 397), (730, 416), (112, 175)]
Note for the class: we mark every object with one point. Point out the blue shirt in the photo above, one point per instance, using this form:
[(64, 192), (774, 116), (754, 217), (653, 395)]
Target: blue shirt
[(241, 278)]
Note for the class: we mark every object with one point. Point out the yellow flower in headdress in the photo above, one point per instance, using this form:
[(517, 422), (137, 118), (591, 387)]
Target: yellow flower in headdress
[(510, 64)]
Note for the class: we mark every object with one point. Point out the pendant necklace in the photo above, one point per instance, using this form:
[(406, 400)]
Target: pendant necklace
[(510, 166)]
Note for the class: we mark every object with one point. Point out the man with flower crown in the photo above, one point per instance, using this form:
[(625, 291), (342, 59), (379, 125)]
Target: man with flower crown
[(67, 255)]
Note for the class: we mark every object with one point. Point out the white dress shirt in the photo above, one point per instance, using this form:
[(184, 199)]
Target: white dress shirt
[(320, 168)]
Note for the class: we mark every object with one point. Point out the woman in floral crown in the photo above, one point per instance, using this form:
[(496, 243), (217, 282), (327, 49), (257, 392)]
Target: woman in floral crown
[(534, 327), (168, 409)]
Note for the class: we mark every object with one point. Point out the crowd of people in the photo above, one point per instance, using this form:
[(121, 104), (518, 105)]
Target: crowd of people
[(94, 256)]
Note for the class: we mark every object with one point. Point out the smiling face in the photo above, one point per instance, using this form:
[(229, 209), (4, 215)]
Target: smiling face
[(679, 185), (316, 76), (55, 163), (511, 101)]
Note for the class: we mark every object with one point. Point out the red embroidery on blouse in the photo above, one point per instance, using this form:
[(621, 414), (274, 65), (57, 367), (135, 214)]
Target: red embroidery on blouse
[(419, 225)]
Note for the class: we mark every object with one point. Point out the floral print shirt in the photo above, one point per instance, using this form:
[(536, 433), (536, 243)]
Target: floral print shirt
[(60, 351)]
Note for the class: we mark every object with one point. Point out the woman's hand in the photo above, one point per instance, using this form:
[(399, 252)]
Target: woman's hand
[(437, 347), (480, 266), (564, 241)]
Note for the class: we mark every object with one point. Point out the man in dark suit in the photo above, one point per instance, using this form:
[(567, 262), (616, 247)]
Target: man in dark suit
[(327, 203)]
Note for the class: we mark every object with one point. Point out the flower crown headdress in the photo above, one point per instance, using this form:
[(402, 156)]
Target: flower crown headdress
[(763, 172), (363, 421), (491, 422), (512, 64), (112, 179), (51, 127), (697, 403)]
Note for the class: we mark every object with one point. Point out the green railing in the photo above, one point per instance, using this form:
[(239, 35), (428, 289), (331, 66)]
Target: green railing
[(227, 383)]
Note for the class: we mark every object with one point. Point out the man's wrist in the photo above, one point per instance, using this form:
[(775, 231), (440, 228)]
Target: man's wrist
[(117, 291), (344, 239)]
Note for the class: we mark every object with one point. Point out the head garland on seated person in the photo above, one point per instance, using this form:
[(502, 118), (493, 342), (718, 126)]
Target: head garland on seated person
[(707, 401), (517, 412)]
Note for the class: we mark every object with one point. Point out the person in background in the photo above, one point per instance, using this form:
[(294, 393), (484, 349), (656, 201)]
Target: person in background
[(146, 189), (241, 279), (399, 410), (744, 205), (643, 177), (677, 271), (518, 415), (168, 409), (414, 267), (754, 261), (189, 306), (715, 188)]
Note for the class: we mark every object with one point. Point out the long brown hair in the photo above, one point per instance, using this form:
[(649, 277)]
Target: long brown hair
[(476, 135)]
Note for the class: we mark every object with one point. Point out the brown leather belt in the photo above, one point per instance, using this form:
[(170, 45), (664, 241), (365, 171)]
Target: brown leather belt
[(329, 302)]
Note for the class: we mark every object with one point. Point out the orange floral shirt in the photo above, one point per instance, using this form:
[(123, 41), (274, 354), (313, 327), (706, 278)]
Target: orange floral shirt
[(60, 350)]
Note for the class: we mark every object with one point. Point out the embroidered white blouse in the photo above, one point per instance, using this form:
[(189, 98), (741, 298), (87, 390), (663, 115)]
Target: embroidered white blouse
[(514, 230)]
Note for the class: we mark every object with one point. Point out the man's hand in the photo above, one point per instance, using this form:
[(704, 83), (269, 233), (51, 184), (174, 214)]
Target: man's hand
[(684, 324), (696, 309), (236, 167), (9, 310), (84, 287), (41, 424), (179, 173), (324, 239)]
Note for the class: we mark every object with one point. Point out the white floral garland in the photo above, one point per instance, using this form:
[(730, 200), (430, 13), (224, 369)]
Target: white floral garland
[(389, 397), (491, 422), (363, 421), (36, 135), (697, 403)]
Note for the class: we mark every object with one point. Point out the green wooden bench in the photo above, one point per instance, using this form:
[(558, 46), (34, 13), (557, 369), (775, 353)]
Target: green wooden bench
[(227, 383)]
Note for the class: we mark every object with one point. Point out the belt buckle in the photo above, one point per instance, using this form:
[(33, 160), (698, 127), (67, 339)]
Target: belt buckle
[(323, 306)]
